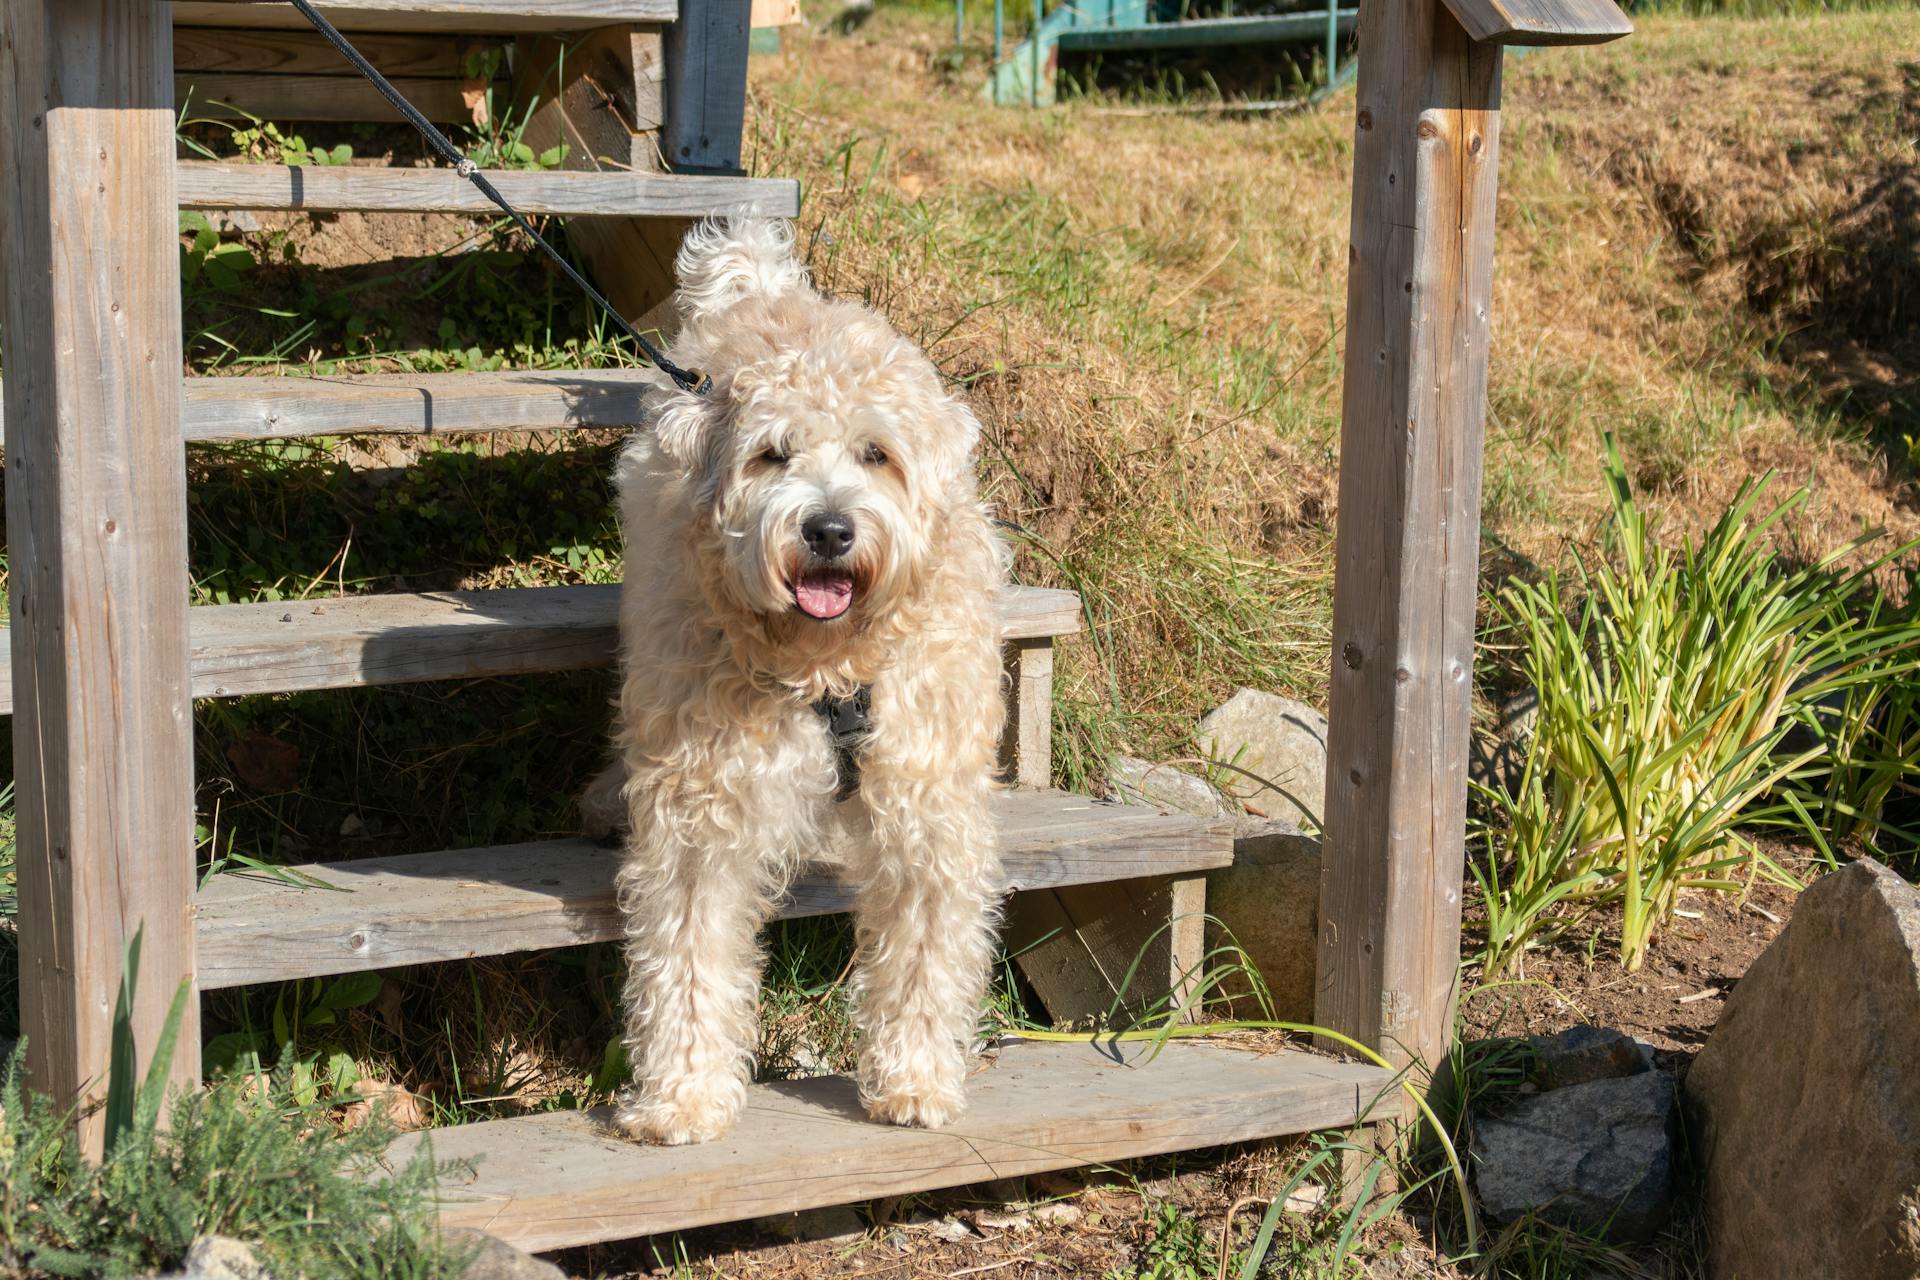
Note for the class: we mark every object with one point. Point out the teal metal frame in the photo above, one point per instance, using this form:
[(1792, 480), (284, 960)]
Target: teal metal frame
[(1025, 74)]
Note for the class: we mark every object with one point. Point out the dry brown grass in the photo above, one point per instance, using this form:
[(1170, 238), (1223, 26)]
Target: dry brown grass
[(1146, 309)]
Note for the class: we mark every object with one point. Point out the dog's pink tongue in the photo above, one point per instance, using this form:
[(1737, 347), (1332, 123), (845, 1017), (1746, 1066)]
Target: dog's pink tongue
[(824, 595)]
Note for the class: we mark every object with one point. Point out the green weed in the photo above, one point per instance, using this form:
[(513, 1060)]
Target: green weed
[(1666, 693), (240, 1158)]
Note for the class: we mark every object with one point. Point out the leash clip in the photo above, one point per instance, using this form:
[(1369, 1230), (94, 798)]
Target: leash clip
[(848, 722)]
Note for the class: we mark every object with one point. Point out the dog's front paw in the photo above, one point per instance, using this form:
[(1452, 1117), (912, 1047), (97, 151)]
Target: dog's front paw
[(682, 1114), (926, 1103)]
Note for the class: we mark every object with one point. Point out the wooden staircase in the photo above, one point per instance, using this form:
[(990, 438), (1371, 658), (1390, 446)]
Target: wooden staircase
[(104, 654)]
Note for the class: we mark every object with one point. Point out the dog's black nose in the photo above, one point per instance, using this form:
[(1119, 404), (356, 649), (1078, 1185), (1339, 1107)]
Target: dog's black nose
[(829, 535)]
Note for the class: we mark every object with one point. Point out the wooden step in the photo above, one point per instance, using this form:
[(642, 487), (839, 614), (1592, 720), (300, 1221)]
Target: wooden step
[(554, 1179), (349, 641), (454, 17), (454, 905), (376, 188), (273, 407), (260, 408), (220, 95)]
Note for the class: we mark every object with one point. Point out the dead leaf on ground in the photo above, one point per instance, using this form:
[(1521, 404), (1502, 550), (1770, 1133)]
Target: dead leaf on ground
[(263, 762)]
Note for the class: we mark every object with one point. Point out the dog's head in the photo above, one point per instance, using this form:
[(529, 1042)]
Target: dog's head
[(827, 458)]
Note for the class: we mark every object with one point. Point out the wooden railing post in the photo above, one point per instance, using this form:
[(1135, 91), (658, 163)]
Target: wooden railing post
[(96, 530), (707, 86), (1426, 136), (1419, 290)]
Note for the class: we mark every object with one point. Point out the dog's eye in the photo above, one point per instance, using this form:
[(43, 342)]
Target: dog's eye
[(775, 455), (874, 456)]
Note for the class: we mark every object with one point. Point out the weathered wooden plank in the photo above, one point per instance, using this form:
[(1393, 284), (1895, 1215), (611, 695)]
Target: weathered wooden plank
[(1026, 749), (288, 407), (463, 16), (415, 404), (1407, 554), (549, 1180), (307, 53), (348, 641), (600, 94), (604, 96), (96, 533), (1076, 945), (418, 908), (215, 95), (341, 188), (1541, 22), (707, 85)]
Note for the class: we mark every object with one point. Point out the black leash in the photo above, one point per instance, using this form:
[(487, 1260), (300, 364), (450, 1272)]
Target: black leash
[(686, 379), (848, 720)]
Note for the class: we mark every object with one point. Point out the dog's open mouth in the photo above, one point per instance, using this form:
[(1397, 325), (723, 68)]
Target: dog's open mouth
[(824, 593)]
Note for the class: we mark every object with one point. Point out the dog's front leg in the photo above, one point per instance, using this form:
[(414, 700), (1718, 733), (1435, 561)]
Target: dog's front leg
[(930, 877), (925, 922), (695, 890)]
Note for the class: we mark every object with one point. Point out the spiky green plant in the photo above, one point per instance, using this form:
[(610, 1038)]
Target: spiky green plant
[(1668, 682)]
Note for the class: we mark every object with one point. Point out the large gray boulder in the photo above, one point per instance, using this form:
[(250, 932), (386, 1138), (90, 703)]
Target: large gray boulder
[(1806, 1099), (1268, 902), (1281, 743), (1595, 1157)]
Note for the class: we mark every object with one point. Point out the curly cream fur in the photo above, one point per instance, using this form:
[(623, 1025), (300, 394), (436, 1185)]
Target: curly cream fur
[(726, 772)]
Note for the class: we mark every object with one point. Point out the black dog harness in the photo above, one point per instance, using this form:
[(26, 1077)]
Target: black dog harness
[(848, 722)]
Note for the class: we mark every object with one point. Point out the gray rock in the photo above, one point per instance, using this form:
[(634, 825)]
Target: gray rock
[(223, 1258), (1806, 1098), (495, 1259), (1282, 743), (837, 1224), (1269, 901), (1497, 760), (1595, 1156), (1580, 1054), (1136, 781)]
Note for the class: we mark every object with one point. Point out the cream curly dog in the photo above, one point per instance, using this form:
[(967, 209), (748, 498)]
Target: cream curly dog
[(809, 530)]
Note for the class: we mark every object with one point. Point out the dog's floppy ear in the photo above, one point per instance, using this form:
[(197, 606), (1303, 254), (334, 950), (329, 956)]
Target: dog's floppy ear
[(722, 262), (686, 428)]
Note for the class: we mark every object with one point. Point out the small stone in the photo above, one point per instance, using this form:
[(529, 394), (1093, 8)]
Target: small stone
[(1580, 1054), (1281, 743), (223, 1258), (1161, 786), (952, 1230), (1305, 1200), (1498, 760), (1593, 1157), (985, 1220), (1059, 1214), (495, 1259), (898, 1242)]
